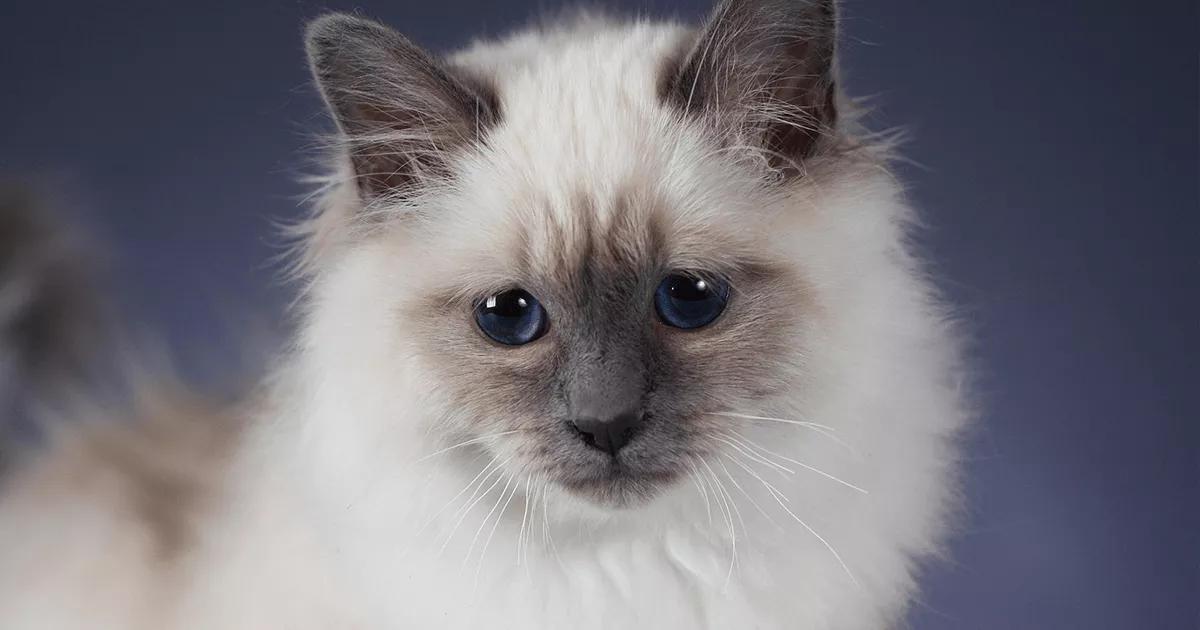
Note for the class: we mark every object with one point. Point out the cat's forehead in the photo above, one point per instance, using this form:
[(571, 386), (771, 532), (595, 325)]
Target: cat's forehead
[(554, 237), (522, 218), (588, 233), (589, 171), (583, 104), (595, 57)]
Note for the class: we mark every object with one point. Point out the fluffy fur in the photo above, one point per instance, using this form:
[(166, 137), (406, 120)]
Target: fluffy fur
[(52, 318), (400, 472)]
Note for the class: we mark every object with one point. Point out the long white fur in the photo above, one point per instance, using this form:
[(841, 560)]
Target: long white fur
[(347, 509)]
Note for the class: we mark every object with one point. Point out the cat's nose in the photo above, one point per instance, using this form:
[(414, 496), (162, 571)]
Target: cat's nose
[(610, 434)]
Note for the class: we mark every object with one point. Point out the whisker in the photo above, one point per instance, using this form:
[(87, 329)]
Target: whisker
[(720, 494), (546, 523), (728, 496), (471, 504), (695, 477), (708, 488), (805, 466), (545, 518), (469, 485), (812, 531), (378, 477), (742, 447), (533, 499), (747, 494), (801, 423), (463, 508), (521, 543), (757, 476), (476, 440), (486, 519), (488, 543), (816, 427)]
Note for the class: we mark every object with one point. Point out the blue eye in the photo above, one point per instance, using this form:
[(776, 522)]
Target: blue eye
[(512, 317), (686, 301)]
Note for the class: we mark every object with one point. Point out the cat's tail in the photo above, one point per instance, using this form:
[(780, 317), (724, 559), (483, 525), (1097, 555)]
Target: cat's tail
[(54, 315)]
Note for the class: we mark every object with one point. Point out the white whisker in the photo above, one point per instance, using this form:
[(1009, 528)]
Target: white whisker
[(740, 446), (817, 427), (467, 509), (522, 545), (721, 495), (476, 440), (486, 519), (803, 465), (488, 543), (546, 523), (836, 555), (746, 494), (695, 477), (802, 423), (469, 485), (757, 476)]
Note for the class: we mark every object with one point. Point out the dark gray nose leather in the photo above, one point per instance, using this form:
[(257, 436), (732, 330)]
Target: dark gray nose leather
[(611, 434)]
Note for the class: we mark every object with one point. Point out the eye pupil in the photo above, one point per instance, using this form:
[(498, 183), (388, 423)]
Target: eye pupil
[(684, 288), (512, 317), (687, 302)]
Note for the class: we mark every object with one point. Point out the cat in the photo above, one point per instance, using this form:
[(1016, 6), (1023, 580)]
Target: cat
[(604, 324)]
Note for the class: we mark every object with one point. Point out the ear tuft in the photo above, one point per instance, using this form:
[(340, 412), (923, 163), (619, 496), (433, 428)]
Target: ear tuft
[(402, 113), (762, 71)]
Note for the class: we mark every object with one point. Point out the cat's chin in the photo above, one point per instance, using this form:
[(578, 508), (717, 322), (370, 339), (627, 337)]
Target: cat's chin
[(618, 487)]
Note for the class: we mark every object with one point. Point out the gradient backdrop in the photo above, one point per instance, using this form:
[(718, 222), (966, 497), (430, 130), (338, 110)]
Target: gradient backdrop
[(1054, 155)]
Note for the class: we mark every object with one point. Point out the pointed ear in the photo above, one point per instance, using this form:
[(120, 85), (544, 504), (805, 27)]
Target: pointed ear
[(763, 72), (402, 112)]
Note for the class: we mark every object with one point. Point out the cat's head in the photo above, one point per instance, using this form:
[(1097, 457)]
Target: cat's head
[(572, 255)]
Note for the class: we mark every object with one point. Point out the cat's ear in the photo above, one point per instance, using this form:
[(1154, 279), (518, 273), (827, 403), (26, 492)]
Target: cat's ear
[(402, 112), (763, 71)]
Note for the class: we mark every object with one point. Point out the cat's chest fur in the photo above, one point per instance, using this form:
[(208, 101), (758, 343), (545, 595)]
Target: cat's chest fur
[(516, 572)]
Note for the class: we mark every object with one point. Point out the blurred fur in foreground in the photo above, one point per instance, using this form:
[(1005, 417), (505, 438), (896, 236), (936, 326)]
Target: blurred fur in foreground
[(53, 318), (135, 455)]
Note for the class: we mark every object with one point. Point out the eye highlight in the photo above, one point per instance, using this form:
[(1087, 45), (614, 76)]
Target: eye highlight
[(512, 317), (688, 301)]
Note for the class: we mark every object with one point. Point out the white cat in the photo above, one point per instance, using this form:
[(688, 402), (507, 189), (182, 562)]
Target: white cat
[(606, 325)]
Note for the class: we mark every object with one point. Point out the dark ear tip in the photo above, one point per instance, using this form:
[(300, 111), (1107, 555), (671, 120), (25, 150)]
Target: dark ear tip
[(335, 23), (824, 8), (333, 30), (321, 34)]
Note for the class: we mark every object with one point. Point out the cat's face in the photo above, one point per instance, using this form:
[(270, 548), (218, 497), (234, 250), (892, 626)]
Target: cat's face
[(583, 287), (596, 341)]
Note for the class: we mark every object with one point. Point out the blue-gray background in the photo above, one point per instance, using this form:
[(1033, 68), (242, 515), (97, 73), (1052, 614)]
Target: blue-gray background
[(1056, 150)]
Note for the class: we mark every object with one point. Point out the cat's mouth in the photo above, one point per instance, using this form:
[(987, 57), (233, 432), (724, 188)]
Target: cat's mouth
[(627, 477), (618, 486)]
